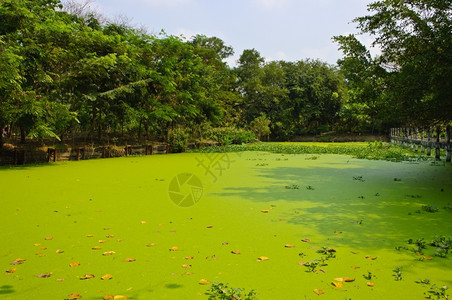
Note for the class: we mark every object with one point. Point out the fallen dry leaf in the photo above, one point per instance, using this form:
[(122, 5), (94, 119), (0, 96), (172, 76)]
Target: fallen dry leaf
[(174, 248), (120, 297), (428, 257), (37, 244), (106, 277), (43, 248), (262, 258), (225, 243), (265, 211), (186, 266), (109, 297), (337, 232), (338, 284), (44, 275), (107, 228), (189, 257), (355, 267), (130, 259), (235, 252), (60, 279), (18, 261), (110, 236), (319, 292), (40, 254), (59, 251), (87, 276), (74, 264), (73, 296), (302, 263), (90, 235), (49, 238), (119, 240), (144, 222), (348, 279), (102, 241), (107, 253), (209, 226), (354, 252), (306, 240), (289, 246), (204, 281), (13, 270), (370, 284), (150, 245)]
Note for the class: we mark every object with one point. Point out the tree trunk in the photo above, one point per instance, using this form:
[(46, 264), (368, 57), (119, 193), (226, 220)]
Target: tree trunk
[(1, 140)]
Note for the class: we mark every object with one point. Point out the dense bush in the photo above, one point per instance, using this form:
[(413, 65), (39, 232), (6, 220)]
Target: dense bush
[(178, 139), (230, 135)]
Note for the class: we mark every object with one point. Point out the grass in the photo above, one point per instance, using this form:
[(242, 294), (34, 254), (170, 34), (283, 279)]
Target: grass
[(244, 229)]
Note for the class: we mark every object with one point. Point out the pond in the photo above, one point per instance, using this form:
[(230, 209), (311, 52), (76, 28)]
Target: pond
[(167, 226)]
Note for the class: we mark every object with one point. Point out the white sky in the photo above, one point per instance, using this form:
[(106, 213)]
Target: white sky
[(288, 30)]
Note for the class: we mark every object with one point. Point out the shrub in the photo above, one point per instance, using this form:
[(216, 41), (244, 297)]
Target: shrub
[(230, 135), (178, 140)]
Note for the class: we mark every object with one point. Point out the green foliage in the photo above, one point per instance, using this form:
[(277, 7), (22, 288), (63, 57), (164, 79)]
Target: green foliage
[(261, 126), (437, 293), (222, 291), (230, 135), (397, 273), (178, 139)]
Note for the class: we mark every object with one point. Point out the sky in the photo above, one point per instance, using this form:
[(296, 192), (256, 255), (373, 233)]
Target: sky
[(289, 30)]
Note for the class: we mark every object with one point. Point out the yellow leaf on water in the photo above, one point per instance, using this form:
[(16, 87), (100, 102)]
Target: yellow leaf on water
[(109, 297), (150, 245), (90, 235), (428, 257), (209, 226), (49, 238), (262, 258), (306, 240), (189, 257), (338, 284), (13, 270), (130, 259), (106, 277), (87, 276), (289, 246), (74, 296), (355, 267), (370, 284), (348, 279), (43, 248), (302, 263), (235, 252), (186, 266), (144, 222), (96, 248), (319, 292), (59, 251), (110, 236), (337, 232), (74, 264), (102, 241), (174, 248), (265, 211), (37, 244), (204, 281), (339, 279), (120, 297), (60, 279), (18, 261), (107, 253)]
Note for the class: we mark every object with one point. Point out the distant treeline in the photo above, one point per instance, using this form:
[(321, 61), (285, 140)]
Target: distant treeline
[(65, 73)]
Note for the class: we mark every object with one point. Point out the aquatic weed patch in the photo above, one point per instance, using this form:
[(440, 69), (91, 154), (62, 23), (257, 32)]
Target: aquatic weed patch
[(371, 150)]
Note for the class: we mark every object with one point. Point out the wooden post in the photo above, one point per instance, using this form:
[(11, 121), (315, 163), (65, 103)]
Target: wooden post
[(448, 146), (437, 150), (429, 148)]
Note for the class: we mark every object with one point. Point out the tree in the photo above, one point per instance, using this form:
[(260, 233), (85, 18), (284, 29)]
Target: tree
[(416, 43)]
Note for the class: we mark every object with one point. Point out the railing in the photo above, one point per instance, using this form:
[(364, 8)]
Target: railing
[(424, 140)]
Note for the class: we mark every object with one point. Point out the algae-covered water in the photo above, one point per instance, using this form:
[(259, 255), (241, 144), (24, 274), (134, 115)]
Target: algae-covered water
[(163, 227)]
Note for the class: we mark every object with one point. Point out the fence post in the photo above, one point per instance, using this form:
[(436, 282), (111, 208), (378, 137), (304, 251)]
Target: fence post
[(448, 146), (437, 148)]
